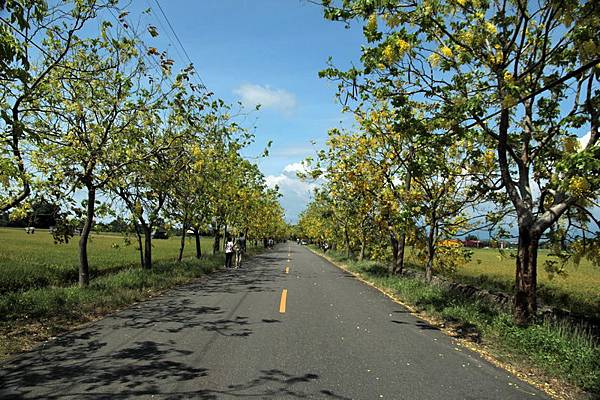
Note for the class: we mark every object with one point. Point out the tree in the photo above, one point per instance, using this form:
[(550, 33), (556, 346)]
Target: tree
[(351, 186), (40, 213), (25, 75), (89, 131), (525, 76), (148, 182)]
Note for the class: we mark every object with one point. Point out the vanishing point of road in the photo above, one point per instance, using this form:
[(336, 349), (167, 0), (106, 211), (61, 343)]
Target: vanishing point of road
[(288, 325)]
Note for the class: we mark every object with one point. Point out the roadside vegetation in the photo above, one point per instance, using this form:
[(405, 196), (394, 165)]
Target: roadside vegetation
[(576, 289), (542, 351), (35, 261)]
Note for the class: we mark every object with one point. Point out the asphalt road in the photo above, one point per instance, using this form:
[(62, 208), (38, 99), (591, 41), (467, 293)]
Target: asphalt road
[(234, 337)]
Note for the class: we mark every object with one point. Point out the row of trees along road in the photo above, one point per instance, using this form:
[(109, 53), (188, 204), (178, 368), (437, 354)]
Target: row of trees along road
[(97, 111), (468, 116)]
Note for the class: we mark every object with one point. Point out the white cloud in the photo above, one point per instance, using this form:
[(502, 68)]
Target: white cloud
[(279, 99), (295, 192), (289, 184), (292, 169)]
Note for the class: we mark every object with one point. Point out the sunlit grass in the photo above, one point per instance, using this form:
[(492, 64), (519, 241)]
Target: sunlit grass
[(578, 291), (34, 261)]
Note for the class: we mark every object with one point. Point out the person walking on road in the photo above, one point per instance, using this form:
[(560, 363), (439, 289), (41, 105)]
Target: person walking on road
[(228, 252), (240, 249)]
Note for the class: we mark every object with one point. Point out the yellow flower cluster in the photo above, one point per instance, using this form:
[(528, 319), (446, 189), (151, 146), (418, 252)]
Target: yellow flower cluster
[(402, 45), (491, 28), (372, 23), (468, 37), (578, 186), (389, 54), (434, 59), (488, 158), (497, 57), (395, 50), (446, 51), (450, 243)]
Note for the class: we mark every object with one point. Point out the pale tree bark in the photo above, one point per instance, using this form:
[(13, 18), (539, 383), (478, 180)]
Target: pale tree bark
[(361, 254), (399, 265), (138, 234)]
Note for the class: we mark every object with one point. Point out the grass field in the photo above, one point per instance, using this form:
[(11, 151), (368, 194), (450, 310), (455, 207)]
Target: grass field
[(579, 291), (34, 261)]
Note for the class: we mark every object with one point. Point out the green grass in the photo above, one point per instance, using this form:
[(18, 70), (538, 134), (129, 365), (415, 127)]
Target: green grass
[(579, 291), (35, 261), (559, 350)]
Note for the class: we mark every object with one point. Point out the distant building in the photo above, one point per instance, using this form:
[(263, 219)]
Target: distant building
[(473, 243)]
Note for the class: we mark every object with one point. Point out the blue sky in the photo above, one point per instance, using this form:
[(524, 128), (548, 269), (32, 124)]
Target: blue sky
[(268, 52)]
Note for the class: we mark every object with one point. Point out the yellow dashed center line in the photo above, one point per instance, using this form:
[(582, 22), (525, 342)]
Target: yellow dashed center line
[(282, 302)]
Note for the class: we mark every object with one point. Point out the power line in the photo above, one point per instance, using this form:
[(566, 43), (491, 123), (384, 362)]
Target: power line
[(43, 51), (163, 28), (201, 83), (139, 42), (18, 31)]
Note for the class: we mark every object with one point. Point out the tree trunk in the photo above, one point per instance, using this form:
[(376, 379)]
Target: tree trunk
[(17, 133), (526, 277), (84, 267), (182, 245), (147, 246), (394, 244), (399, 265), (361, 255), (224, 236), (217, 241), (140, 246), (347, 244), (430, 254), (198, 247)]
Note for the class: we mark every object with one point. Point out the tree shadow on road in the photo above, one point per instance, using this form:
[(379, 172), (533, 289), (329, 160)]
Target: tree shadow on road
[(146, 369), (256, 275), (83, 366)]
